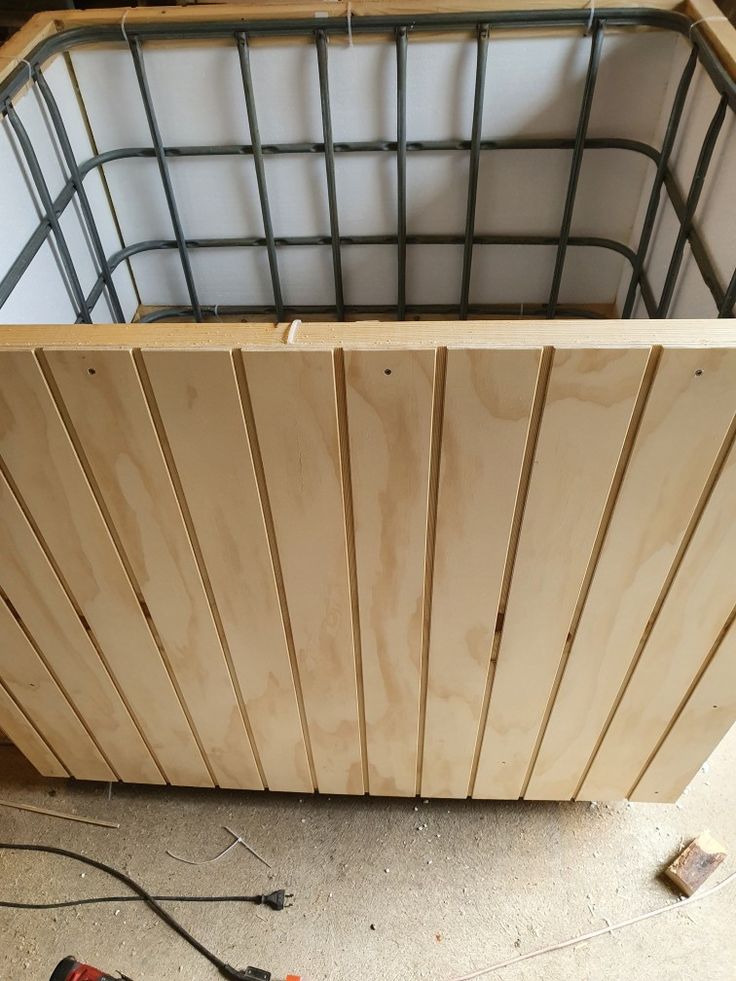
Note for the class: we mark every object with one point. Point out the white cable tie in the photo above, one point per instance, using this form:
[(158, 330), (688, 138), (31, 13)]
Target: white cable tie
[(21, 61), (291, 336), (592, 15), (703, 20), (122, 25), (350, 24)]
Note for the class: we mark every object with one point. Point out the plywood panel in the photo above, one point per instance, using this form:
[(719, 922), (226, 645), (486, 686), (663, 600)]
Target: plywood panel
[(106, 404), (35, 592), (294, 404), (20, 731), (197, 395), (586, 415), (389, 409), (37, 450), (705, 719), (30, 683), (688, 412), (488, 399), (699, 603)]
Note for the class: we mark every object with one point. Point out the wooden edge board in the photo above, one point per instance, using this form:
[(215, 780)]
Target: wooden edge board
[(19, 46), (366, 335), (695, 863)]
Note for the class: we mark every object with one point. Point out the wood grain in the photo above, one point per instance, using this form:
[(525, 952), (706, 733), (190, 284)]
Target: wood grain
[(589, 402), (685, 420), (488, 399), (108, 409), (46, 470), (389, 408), (26, 738), (197, 395), (294, 405), (697, 606)]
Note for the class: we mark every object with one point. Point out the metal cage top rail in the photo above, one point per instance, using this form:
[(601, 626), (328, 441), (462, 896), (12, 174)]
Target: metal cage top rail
[(400, 28)]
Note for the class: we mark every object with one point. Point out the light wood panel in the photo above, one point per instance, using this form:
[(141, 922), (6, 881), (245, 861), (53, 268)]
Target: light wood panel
[(698, 604), (37, 595), (108, 409), (588, 407), (294, 405), (389, 409), (687, 415), (21, 732), (488, 400), (33, 687), (37, 450), (705, 719), (197, 395)]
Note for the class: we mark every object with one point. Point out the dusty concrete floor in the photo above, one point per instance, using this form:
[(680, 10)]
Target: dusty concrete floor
[(378, 895)]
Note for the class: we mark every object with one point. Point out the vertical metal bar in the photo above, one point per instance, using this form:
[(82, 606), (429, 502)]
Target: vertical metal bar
[(48, 206), (401, 49), (577, 159), (255, 139), (480, 88), (135, 50), (324, 98), (729, 299), (693, 197), (664, 156), (78, 184)]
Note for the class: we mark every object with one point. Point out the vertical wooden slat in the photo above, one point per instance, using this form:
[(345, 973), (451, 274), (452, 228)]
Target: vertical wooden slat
[(30, 683), (688, 412), (488, 399), (108, 409), (44, 467), (587, 412), (294, 406), (24, 736), (197, 395), (389, 408), (698, 604), (706, 717), (35, 592)]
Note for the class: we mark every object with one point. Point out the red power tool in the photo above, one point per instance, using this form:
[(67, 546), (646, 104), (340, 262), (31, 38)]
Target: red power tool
[(71, 970)]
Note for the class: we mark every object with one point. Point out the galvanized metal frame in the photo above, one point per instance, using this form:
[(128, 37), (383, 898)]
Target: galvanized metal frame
[(483, 24)]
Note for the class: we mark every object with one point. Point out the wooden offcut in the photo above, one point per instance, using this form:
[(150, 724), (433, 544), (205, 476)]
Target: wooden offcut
[(696, 863)]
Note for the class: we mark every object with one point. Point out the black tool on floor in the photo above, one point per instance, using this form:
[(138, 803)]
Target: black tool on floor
[(226, 970)]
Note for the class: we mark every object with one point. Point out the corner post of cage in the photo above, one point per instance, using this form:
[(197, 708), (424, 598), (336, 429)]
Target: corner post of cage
[(696, 186), (57, 121), (596, 46), (137, 54), (329, 154), (401, 58), (474, 165), (260, 168)]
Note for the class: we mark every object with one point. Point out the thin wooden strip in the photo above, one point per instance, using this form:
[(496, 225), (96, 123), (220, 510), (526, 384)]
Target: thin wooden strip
[(35, 592), (488, 401), (63, 815), (589, 403), (50, 478), (27, 739), (688, 412), (30, 683), (389, 408), (699, 602), (197, 396), (108, 410), (703, 721), (294, 407)]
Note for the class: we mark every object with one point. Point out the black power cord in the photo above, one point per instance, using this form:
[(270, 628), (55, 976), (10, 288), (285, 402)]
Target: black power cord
[(226, 970), (275, 900)]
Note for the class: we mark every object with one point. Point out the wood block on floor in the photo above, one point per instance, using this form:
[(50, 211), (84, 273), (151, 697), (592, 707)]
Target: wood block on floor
[(696, 863)]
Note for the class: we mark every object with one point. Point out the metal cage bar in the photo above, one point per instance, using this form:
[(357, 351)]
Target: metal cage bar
[(401, 58), (729, 299), (474, 164), (693, 197), (596, 46), (329, 152), (140, 71), (255, 139)]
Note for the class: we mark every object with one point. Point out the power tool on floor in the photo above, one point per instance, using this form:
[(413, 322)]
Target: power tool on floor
[(71, 970)]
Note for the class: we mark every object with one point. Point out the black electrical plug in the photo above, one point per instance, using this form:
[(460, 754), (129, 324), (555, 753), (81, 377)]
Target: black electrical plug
[(276, 900)]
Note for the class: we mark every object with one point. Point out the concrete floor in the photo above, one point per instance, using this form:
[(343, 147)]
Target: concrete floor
[(385, 889)]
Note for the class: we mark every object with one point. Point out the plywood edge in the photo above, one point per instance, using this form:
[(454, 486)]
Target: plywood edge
[(717, 28), (37, 29), (497, 334)]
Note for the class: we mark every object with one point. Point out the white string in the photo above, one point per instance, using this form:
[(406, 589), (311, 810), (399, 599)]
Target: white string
[(592, 15), (217, 315), (350, 24), (702, 20), (122, 25), (291, 336), (21, 61)]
